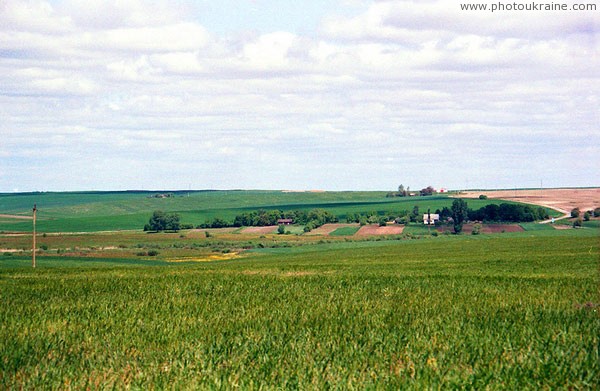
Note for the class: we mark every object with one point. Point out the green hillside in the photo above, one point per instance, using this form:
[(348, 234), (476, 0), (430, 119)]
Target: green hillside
[(99, 211)]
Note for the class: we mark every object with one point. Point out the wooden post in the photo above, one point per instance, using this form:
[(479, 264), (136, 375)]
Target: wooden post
[(33, 252), (428, 221)]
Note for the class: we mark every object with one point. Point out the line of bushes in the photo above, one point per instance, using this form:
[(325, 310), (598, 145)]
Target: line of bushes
[(310, 219)]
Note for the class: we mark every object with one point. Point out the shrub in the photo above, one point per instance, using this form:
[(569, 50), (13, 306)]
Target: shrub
[(476, 229), (281, 229), (483, 197), (578, 223), (152, 253), (207, 234), (575, 212), (44, 247), (597, 212), (587, 216)]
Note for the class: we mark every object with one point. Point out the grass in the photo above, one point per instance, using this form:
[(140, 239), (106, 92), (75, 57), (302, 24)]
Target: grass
[(495, 311), (345, 231)]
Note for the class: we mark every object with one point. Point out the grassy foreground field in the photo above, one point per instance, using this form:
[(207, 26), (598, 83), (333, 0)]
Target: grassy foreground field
[(498, 311)]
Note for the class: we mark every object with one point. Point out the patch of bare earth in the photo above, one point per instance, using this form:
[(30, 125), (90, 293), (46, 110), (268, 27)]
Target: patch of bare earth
[(560, 199), (326, 229), (373, 229), (260, 230)]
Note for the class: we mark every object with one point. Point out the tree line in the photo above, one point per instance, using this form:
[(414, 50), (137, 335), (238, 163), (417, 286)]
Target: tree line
[(493, 213), (310, 219), (405, 192)]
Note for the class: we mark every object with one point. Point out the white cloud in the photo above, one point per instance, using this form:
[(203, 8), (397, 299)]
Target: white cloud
[(358, 104), (33, 16), (169, 38)]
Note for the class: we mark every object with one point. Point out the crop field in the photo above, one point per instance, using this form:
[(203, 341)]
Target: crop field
[(242, 308), (493, 311)]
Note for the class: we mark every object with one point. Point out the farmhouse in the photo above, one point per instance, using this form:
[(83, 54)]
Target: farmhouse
[(430, 218), (285, 221)]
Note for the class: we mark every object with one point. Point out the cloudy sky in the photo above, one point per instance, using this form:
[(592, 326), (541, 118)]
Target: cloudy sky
[(282, 94)]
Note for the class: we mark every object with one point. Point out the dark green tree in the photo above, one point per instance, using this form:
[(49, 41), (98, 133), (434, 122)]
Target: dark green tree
[(460, 213), (161, 221)]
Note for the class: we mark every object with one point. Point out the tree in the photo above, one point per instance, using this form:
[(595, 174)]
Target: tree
[(401, 191), (427, 191), (586, 216), (575, 212), (281, 229), (460, 212), (414, 216), (161, 221)]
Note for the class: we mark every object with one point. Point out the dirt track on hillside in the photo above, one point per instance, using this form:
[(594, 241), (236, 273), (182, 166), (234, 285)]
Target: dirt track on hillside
[(562, 200), (18, 217)]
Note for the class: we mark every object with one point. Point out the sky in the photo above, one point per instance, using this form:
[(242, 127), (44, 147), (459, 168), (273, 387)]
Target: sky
[(265, 94)]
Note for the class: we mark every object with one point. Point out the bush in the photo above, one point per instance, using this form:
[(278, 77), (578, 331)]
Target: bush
[(281, 229), (207, 234), (575, 212), (476, 229), (44, 247), (586, 216), (597, 212), (483, 197), (152, 253)]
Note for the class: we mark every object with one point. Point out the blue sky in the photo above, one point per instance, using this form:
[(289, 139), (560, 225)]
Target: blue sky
[(263, 16), (335, 95)]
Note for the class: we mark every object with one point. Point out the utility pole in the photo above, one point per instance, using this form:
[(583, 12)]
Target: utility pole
[(33, 252), (428, 221)]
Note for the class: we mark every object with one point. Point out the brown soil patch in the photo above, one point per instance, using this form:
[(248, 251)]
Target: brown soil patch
[(326, 229), (373, 229), (260, 230), (560, 199)]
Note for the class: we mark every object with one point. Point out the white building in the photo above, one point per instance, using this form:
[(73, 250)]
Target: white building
[(430, 218)]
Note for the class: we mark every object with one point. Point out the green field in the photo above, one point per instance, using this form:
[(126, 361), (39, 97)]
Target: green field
[(107, 211), (500, 312), (229, 309), (345, 231)]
